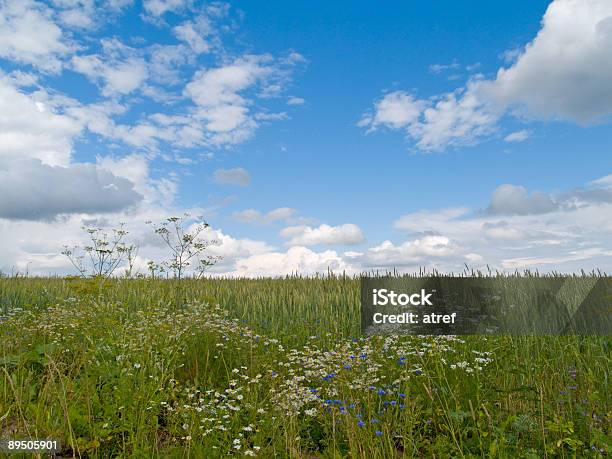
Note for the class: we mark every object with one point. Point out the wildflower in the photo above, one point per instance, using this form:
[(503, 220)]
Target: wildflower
[(361, 423), (378, 433)]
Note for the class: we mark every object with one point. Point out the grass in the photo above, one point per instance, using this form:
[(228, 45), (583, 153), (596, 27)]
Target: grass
[(277, 367)]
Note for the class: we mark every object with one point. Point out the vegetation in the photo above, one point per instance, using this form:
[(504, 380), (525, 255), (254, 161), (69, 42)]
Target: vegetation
[(277, 367)]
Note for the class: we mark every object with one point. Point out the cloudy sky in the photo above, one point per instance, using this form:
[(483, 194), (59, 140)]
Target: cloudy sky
[(311, 135)]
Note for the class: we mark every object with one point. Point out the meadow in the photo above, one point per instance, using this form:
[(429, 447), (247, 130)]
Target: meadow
[(278, 368)]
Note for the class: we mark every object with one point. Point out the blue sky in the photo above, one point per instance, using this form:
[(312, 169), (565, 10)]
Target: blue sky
[(311, 136)]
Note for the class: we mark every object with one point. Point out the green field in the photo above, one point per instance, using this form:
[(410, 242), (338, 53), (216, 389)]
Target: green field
[(277, 367)]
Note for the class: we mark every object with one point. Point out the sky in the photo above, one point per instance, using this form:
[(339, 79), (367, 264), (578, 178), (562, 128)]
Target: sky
[(310, 136)]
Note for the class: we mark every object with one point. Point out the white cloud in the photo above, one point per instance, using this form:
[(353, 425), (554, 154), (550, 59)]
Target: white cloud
[(135, 168), (396, 110), (574, 255), (236, 176), (217, 92), (563, 73), (254, 216), (300, 260), (347, 234), (605, 181), (439, 68), (518, 136), (30, 126), (160, 7), (566, 231), (414, 222), (224, 95), (411, 253), (515, 200), (200, 34), (76, 18), (296, 101), (32, 190), (29, 35), (453, 119), (119, 69)]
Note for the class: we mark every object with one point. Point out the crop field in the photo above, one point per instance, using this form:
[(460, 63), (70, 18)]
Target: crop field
[(278, 368)]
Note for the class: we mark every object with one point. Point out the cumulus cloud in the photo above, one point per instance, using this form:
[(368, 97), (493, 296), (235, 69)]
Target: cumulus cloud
[(454, 119), (347, 234), (217, 94), (31, 127), (28, 34), (396, 110), (255, 216), (118, 69), (299, 260), (515, 200), (223, 95), (161, 7), (566, 231), (411, 253), (236, 176), (563, 73), (32, 190), (201, 34), (135, 168)]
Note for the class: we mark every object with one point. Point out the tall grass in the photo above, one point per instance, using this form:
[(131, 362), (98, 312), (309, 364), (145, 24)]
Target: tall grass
[(120, 368)]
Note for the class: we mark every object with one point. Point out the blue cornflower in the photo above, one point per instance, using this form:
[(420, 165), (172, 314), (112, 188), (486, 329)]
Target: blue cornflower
[(381, 392), (361, 423), (374, 421), (402, 395), (329, 376), (378, 433), (347, 367), (364, 356), (314, 391)]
